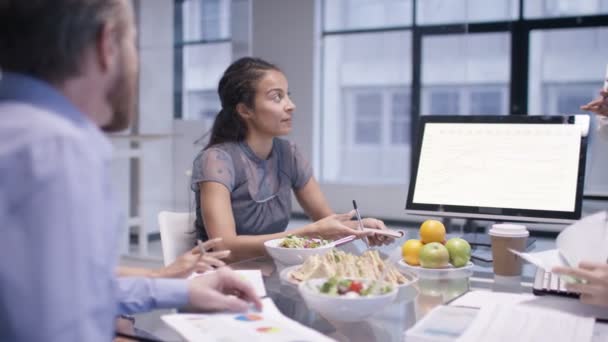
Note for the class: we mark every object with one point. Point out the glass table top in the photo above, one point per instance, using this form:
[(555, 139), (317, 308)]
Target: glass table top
[(390, 323)]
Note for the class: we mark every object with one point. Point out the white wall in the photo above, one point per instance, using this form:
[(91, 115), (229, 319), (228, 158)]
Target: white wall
[(156, 107), (283, 33)]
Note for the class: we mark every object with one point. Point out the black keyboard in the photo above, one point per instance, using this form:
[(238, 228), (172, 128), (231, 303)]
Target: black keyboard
[(547, 283)]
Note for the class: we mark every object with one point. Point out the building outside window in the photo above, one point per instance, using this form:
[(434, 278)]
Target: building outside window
[(490, 99), (202, 53), (385, 63)]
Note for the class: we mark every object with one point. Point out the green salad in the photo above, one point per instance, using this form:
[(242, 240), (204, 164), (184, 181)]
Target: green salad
[(353, 288), (292, 241)]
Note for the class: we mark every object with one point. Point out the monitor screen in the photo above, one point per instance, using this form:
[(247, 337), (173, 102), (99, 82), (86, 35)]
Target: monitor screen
[(521, 168)]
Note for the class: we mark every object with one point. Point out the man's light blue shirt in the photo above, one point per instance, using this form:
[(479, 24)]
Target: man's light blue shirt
[(59, 226)]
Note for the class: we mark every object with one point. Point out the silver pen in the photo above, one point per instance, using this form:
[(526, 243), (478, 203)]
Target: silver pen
[(360, 223)]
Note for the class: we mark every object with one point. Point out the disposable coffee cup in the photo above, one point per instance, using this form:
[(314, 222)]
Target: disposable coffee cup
[(507, 236)]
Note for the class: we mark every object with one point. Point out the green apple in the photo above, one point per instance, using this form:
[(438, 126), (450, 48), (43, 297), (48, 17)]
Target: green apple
[(460, 251), (434, 255)]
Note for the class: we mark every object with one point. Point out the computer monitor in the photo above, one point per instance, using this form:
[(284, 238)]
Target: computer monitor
[(502, 168)]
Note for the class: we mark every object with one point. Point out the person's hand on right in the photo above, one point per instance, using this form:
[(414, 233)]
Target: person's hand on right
[(222, 290), (598, 106), (595, 289), (334, 227)]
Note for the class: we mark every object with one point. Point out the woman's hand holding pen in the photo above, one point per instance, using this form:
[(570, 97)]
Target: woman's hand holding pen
[(335, 226), (374, 239), (195, 261)]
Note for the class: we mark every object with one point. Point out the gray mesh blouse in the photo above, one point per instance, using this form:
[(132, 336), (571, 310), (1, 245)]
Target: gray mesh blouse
[(260, 190)]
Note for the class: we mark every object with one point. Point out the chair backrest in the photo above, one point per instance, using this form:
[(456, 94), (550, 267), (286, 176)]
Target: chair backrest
[(176, 234)]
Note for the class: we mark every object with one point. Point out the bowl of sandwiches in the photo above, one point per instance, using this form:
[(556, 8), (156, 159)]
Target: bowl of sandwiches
[(369, 266)]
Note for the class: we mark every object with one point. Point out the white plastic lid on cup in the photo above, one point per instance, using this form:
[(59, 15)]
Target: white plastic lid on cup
[(509, 230)]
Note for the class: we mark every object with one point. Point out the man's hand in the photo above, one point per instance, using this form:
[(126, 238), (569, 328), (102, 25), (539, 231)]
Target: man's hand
[(598, 106), (222, 290), (193, 261), (595, 290)]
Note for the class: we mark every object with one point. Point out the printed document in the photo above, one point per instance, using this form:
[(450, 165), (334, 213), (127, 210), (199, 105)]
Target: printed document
[(253, 326), (585, 239), (507, 323)]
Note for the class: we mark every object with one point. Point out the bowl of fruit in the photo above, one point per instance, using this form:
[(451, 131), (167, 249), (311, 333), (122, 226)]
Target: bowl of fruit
[(432, 256), (347, 299), (293, 250)]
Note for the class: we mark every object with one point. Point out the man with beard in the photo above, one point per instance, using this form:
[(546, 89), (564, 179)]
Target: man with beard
[(69, 69)]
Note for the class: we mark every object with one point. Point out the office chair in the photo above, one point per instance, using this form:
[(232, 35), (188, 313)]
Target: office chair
[(176, 234)]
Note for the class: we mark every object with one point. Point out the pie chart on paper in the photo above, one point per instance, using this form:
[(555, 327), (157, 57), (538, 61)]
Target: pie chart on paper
[(268, 330), (248, 318)]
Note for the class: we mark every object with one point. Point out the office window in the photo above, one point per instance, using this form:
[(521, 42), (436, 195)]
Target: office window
[(203, 51), (211, 19), (445, 102), (566, 98), (371, 92), (203, 105), (487, 102), (567, 69), (358, 14), (570, 99), (380, 116), (465, 74), (482, 99), (365, 91), (566, 66), (204, 19), (563, 8), (400, 118), (465, 11), (377, 123), (368, 118)]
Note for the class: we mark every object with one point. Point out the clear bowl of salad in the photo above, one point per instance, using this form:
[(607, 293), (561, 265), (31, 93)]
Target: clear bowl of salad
[(293, 250), (347, 299)]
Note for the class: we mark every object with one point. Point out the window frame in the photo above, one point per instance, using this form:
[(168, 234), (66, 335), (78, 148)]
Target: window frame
[(519, 29), (465, 93), (180, 43), (386, 118), (553, 90)]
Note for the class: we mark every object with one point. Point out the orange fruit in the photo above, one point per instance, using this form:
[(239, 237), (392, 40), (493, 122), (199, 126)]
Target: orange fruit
[(411, 251), (432, 231)]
